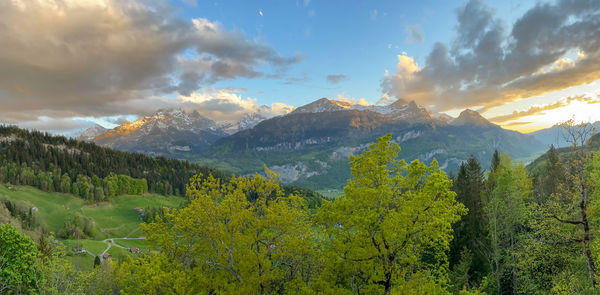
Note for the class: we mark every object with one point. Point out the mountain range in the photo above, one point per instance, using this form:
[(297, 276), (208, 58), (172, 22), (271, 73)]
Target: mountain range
[(310, 146)]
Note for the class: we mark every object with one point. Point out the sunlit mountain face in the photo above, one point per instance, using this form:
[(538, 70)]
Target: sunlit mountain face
[(66, 66)]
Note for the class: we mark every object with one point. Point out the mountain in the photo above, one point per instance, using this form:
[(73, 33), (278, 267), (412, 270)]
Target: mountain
[(310, 146), (398, 110), (470, 117), (323, 105), (90, 133), (168, 132), (555, 135)]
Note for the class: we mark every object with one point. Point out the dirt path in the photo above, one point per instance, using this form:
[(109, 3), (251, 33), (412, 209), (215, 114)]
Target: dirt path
[(111, 241)]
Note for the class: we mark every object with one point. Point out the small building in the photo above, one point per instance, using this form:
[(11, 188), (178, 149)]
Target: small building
[(34, 209), (139, 209), (106, 256), (134, 250), (78, 248)]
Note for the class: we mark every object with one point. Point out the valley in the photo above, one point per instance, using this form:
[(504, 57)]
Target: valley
[(118, 218)]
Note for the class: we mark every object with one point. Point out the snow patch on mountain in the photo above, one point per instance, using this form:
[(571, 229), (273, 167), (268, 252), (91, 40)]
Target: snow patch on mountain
[(90, 133)]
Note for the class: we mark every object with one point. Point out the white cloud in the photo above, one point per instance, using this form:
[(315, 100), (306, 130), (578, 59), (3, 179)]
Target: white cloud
[(373, 13), (352, 100)]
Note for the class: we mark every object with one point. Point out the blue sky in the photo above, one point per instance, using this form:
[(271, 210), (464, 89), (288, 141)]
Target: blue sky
[(523, 64), (358, 39)]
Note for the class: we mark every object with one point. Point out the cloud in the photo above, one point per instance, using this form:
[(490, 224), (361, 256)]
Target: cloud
[(47, 123), (488, 65), (227, 105), (190, 3), (517, 123), (61, 126), (352, 100), (535, 110), (66, 58), (334, 79), (373, 13), (415, 34)]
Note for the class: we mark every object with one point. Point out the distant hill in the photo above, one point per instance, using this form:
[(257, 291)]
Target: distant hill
[(555, 135), (539, 163)]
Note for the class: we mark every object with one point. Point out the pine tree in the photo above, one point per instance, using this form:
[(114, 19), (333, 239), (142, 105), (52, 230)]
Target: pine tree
[(495, 161), (471, 232), (554, 172)]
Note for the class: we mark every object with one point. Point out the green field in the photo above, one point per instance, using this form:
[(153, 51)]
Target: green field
[(117, 218)]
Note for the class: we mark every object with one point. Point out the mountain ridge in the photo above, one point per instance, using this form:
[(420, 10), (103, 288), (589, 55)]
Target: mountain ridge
[(310, 146)]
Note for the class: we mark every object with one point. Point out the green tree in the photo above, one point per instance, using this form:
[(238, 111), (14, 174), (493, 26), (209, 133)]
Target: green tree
[(507, 214), (18, 254), (554, 174), (244, 236), (471, 231), (391, 230)]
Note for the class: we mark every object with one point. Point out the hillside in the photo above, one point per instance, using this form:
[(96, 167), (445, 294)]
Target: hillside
[(555, 135), (537, 166), (48, 158), (117, 218), (311, 149)]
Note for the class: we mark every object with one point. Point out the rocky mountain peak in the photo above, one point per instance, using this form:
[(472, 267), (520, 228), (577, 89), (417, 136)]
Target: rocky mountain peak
[(323, 105), (471, 117), (90, 133)]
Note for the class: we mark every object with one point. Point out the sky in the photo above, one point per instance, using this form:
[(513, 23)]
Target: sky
[(68, 64)]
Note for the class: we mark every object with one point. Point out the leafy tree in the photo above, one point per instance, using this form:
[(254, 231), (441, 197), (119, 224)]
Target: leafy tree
[(244, 236), (507, 213), (391, 229), (18, 254)]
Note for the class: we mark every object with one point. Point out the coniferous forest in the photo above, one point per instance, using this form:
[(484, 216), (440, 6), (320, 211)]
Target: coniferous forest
[(399, 228), (55, 163)]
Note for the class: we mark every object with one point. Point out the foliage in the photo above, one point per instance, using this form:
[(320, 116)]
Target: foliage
[(58, 164), (391, 229), (471, 231), (507, 211), (18, 254), (244, 236)]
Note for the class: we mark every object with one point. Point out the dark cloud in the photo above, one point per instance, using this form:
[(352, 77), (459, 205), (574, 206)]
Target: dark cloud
[(414, 34), (70, 58), (334, 79), (488, 65)]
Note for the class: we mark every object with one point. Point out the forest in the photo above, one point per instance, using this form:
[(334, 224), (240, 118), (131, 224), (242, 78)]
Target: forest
[(55, 163), (399, 228)]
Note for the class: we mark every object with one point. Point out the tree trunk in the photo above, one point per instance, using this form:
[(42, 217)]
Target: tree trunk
[(586, 235)]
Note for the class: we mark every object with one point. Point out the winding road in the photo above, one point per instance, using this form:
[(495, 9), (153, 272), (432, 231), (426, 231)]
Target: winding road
[(111, 241)]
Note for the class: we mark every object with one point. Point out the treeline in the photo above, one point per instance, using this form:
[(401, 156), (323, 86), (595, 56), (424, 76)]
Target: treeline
[(49, 162), (89, 188)]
